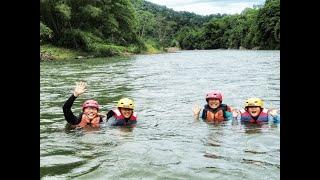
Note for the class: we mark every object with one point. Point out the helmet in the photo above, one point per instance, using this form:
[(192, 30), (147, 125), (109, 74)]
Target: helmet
[(214, 94), (90, 103), (254, 102), (126, 103)]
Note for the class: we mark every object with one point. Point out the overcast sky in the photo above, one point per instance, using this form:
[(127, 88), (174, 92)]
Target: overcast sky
[(206, 7)]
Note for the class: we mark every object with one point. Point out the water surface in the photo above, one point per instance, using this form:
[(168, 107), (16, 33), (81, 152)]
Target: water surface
[(167, 142)]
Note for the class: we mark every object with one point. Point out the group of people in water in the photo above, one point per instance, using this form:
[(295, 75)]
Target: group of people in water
[(124, 115), (253, 111)]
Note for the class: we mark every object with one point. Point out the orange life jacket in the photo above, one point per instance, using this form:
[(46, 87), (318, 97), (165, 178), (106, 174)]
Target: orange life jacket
[(217, 114), (86, 121)]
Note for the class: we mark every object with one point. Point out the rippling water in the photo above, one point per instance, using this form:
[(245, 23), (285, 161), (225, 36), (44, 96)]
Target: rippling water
[(167, 142)]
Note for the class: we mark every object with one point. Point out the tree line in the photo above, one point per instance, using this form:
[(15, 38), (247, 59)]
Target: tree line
[(106, 27)]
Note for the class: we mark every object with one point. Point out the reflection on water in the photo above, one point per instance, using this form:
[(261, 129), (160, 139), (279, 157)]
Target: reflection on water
[(167, 142)]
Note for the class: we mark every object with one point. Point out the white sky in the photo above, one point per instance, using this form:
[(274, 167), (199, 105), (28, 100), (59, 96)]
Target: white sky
[(206, 7)]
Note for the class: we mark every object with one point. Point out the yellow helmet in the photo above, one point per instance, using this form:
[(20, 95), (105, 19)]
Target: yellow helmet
[(254, 102), (126, 103)]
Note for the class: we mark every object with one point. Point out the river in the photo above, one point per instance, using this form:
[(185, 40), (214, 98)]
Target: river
[(167, 142)]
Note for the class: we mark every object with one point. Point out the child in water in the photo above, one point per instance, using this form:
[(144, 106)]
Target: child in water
[(214, 110), (123, 115), (90, 110), (254, 112)]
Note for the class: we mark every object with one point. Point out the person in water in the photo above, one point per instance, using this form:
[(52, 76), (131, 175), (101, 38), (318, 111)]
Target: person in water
[(124, 114), (214, 110), (254, 112), (90, 110)]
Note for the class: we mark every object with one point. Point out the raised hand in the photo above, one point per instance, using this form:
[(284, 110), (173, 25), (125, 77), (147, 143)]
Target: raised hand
[(273, 112), (196, 110), (235, 112), (80, 88)]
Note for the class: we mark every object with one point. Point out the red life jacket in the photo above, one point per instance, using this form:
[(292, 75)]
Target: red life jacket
[(218, 114), (85, 121), (119, 117), (246, 117)]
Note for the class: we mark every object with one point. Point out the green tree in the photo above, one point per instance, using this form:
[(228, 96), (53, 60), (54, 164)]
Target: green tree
[(251, 40), (213, 34), (45, 33), (268, 23), (146, 23)]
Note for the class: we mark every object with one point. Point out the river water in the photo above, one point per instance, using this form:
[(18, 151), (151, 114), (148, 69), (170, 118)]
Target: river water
[(167, 142)]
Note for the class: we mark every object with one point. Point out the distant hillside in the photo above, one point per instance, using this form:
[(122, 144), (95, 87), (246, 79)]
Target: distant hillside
[(183, 18)]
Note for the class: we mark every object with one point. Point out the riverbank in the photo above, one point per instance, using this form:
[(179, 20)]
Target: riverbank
[(49, 52)]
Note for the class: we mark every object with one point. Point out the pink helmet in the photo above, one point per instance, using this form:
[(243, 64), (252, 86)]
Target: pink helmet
[(90, 103), (214, 94)]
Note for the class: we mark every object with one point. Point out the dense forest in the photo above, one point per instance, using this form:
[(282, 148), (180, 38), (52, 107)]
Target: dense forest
[(111, 27)]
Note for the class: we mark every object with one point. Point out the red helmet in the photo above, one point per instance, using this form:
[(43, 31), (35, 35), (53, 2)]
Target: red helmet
[(214, 94), (90, 103)]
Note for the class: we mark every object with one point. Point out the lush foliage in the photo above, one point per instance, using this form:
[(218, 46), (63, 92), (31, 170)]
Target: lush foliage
[(104, 27), (257, 27), (111, 27)]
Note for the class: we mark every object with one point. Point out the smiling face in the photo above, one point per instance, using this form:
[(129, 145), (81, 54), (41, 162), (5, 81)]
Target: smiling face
[(126, 112), (90, 112), (213, 103), (254, 111)]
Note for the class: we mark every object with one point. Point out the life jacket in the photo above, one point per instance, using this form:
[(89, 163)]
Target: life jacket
[(121, 121), (86, 121), (246, 117), (217, 114)]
